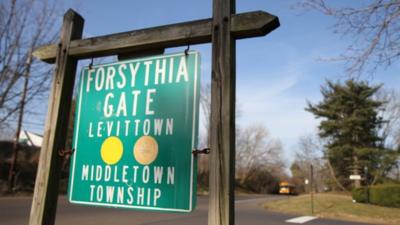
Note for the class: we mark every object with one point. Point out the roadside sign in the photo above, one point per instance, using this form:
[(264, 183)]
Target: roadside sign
[(136, 124), (355, 177)]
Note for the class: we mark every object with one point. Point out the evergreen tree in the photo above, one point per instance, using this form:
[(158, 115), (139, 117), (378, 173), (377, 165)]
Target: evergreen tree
[(350, 126)]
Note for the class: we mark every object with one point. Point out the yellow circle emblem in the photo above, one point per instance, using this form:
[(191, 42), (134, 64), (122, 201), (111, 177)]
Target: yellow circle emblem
[(145, 150), (111, 150)]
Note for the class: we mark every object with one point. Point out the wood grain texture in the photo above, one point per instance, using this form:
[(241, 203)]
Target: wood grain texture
[(223, 87), (45, 196), (245, 25)]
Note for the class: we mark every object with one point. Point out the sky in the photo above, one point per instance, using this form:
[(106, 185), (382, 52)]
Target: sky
[(276, 74)]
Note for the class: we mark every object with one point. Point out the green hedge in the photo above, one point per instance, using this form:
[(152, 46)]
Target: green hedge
[(360, 194), (383, 195)]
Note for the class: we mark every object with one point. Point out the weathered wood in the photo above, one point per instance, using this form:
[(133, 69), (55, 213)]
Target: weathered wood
[(132, 55), (223, 85), (243, 25), (45, 197)]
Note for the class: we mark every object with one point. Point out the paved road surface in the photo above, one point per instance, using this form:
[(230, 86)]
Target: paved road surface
[(15, 211)]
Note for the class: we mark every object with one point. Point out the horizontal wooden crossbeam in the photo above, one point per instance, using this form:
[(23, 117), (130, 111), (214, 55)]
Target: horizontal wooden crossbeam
[(244, 25)]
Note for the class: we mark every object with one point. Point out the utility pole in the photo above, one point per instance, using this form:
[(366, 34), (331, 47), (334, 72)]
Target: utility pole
[(312, 188), (13, 166), (356, 171), (366, 183)]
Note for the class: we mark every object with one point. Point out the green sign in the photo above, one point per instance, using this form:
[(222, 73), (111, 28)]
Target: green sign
[(136, 124)]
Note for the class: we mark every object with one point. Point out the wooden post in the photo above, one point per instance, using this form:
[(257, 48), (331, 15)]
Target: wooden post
[(222, 159), (243, 25), (44, 203), (222, 29)]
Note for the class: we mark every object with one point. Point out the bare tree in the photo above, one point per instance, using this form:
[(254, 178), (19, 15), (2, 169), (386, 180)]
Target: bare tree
[(374, 27), (391, 115), (205, 107), (390, 133), (24, 25), (310, 149), (310, 152), (257, 150), (257, 153), (204, 140)]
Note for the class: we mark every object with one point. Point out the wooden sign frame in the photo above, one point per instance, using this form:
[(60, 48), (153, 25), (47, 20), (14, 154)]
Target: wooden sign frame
[(221, 30)]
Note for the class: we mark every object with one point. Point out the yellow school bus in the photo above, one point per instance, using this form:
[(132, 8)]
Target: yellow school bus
[(286, 188)]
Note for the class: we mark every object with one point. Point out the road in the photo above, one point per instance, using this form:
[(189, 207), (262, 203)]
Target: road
[(15, 211)]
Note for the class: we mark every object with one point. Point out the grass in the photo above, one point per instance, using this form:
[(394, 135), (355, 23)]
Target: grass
[(336, 206)]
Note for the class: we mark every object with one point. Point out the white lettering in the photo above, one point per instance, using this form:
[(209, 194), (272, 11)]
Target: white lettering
[(158, 172), (90, 79), (157, 195), (108, 108), (91, 192), (147, 72), (171, 71), (124, 173), (135, 99), (122, 105), (158, 126), (170, 126), (85, 172), (182, 70), (146, 127), (149, 100), (130, 195), (146, 174), (99, 128), (99, 81), (140, 196), (135, 168), (90, 130), (110, 78), (120, 195), (99, 173), (122, 82), (134, 71), (171, 175), (107, 173), (109, 193), (160, 71)]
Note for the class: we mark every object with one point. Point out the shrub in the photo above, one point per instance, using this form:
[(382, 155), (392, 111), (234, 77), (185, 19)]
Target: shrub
[(383, 195), (359, 194)]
